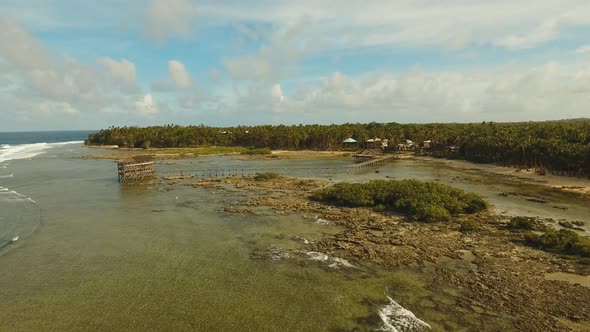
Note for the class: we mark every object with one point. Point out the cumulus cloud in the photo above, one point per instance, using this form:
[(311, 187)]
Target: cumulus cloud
[(179, 75), (277, 57), (258, 100), (456, 24), (37, 83), (169, 18), (178, 78), (496, 95), (277, 93), (146, 106), (123, 72)]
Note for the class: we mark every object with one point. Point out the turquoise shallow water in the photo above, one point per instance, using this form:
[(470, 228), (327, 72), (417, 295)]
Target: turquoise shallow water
[(93, 255)]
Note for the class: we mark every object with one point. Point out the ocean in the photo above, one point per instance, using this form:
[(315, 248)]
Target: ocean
[(78, 251), (81, 252), (20, 215), (22, 145)]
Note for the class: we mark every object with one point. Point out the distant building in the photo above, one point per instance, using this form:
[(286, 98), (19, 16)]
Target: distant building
[(408, 145), (374, 143)]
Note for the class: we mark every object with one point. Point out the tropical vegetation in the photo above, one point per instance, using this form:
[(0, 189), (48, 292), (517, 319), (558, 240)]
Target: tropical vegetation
[(422, 201), (561, 147)]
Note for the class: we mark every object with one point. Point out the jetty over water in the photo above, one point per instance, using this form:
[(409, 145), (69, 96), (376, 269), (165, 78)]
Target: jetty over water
[(375, 162), (137, 172), (133, 170)]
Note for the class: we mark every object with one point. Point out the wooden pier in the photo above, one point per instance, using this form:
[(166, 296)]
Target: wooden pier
[(372, 163), (133, 172)]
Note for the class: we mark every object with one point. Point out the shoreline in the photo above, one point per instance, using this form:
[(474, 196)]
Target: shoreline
[(212, 151), (566, 183)]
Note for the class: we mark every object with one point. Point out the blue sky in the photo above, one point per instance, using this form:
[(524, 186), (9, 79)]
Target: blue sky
[(81, 65)]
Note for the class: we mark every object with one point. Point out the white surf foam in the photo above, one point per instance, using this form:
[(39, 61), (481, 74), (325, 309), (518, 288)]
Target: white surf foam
[(7, 176), (396, 318), (7, 195), (335, 262), (26, 151)]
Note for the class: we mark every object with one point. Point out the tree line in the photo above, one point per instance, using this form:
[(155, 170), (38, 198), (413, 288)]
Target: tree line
[(561, 147)]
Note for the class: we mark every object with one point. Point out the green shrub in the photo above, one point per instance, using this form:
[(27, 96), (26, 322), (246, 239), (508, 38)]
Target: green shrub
[(257, 151), (430, 213), (423, 201), (522, 223), (380, 208), (563, 241), (266, 176), (469, 226)]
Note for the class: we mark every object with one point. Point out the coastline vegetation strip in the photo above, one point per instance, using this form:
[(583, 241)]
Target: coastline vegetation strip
[(421, 201), (560, 147)]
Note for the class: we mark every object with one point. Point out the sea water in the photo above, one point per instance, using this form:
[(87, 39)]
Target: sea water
[(94, 255)]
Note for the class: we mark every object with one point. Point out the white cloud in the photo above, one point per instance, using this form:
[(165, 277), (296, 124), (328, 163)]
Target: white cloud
[(583, 49), (504, 23), (146, 106), (545, 32), (168, 18), (44, 89), (277, 93), (549, 91), (179, 75), (178, 78), (123, 71), (276, 58)]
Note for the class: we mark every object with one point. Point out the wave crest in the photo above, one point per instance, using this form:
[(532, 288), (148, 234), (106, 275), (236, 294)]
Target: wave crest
[(26, 151), (396, 318)]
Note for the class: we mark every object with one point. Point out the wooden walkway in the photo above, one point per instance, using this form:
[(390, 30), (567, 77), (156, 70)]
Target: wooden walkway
[(139, 172), (374, 162)]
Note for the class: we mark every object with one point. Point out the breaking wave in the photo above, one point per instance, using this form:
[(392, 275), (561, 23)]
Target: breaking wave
[(396, 318), (26, 151), (20, 217)]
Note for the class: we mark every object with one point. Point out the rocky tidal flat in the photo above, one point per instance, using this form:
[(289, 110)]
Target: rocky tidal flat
[(493, 270)]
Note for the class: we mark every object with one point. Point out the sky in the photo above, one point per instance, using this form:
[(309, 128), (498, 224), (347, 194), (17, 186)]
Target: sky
[(68, 64)]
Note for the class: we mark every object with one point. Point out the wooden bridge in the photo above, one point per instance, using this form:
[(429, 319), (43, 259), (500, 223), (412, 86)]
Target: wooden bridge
[(140, 172)]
